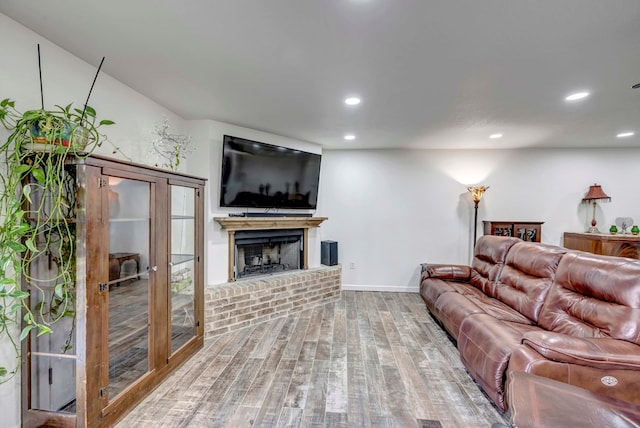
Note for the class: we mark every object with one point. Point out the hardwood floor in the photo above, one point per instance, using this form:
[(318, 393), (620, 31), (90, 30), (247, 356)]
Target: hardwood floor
[(371, 359)]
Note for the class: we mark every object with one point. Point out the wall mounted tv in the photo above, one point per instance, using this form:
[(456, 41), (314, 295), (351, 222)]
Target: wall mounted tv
[(260, 175)]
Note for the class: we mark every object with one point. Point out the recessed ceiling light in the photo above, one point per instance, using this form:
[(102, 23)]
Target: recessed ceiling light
[(352, 101), (494, 136), (625, 134), (349, 137), (577, 96)]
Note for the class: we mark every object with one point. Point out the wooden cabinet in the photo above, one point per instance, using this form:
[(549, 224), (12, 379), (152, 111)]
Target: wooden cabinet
[(607, 245), (527, 231), (138, 296)]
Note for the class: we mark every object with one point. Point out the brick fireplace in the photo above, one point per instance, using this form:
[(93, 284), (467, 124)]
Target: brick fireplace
[(268, 230), (269, 274), (253, 300), (262, 252)]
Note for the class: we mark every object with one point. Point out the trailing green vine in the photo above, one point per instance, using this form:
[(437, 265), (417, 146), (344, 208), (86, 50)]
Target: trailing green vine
[(37, 202)]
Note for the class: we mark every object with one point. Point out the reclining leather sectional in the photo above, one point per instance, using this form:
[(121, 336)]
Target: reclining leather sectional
[(566, 315)]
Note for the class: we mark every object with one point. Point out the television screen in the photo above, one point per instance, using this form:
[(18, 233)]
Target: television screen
[(259, 175)]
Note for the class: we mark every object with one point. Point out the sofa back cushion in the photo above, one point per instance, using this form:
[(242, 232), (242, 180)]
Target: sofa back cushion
[(594, 296), (527, 275), (488, 260)]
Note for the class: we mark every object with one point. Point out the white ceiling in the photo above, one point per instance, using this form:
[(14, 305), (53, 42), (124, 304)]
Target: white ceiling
[(431, 73)]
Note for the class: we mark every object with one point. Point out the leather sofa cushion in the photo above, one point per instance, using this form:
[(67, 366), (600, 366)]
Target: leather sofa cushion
[(623, 384), (602, 353), (594, 296), (526, 277), (432, 288), (452, 308), (447, 272), (537, 401), (485, 344), (489, 255)]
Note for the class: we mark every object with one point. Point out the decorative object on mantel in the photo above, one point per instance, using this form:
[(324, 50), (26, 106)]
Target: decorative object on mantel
[(623, 223), (171, 147), (635, 230), (595, 194), (476, 193), (613, 229)]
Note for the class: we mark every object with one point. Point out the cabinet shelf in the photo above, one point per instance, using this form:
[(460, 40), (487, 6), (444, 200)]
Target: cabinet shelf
[(182, 217), (127, 219), (177, 259)]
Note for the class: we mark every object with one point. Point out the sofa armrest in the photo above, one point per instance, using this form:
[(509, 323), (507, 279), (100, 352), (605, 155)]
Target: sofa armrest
[(448, 272), (602, 353)]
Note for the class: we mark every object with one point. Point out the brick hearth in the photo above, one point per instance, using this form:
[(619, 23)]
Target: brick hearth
[(234, 305)]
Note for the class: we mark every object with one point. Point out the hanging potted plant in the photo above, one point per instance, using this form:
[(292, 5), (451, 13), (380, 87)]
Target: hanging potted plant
[(37, 197)]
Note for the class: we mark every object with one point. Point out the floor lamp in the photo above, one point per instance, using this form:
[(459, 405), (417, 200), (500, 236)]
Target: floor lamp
[(476, 193)]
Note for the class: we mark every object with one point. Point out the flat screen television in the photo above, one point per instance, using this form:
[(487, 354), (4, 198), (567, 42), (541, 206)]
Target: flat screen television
[(260, 175)]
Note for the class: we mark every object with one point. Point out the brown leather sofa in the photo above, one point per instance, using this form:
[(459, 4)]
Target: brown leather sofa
[(566, 315)]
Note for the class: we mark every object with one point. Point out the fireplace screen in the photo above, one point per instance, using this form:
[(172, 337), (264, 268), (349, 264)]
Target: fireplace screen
[(264, 252)]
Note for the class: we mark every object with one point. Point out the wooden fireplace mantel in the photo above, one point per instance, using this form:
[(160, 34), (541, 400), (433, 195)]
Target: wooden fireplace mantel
[(261, 223), (233, 224)]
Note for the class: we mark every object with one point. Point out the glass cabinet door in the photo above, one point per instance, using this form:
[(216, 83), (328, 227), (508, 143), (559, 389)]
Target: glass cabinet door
[(51, 283), (182, 266), (129, 291)]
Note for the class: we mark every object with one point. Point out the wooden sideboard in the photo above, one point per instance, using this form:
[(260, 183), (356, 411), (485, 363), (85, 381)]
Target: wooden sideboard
[(525, 230), (607, 245)]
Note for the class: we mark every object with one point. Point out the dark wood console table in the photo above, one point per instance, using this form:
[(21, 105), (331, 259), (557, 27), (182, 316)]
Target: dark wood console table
[(607, 245), (525, 230), (117, 259)]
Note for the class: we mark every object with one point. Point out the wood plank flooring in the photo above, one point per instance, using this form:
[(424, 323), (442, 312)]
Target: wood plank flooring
[(371, 359)]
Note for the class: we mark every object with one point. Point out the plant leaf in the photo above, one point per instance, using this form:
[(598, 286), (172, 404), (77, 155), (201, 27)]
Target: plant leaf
[(20, 229), (90, 111), (38, 174), (22, 168), (25, 332), (31, 245), (106, 122), (43, 330), (26, 191), (3, 371), (16, 246), (19, 294)]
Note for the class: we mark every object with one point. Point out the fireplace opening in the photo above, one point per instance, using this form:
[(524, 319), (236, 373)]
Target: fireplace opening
[(263, 252)]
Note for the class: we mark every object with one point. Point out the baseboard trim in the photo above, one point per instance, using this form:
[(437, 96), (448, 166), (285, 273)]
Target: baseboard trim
[(391, 288)]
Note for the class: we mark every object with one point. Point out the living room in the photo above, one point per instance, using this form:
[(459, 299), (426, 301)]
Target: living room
[(394, 206)]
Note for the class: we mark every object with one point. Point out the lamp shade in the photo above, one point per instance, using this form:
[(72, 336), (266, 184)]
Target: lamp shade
[(477, 192), (595, 193)]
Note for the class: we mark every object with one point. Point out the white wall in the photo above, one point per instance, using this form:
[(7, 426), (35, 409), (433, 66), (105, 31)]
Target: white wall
[(391, 210)]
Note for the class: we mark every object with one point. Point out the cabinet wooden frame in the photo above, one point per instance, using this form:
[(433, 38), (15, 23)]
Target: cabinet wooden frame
[(93, 407)]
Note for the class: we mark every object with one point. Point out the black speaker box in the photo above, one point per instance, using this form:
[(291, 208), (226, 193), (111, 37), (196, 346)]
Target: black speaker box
[(329, 253)]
